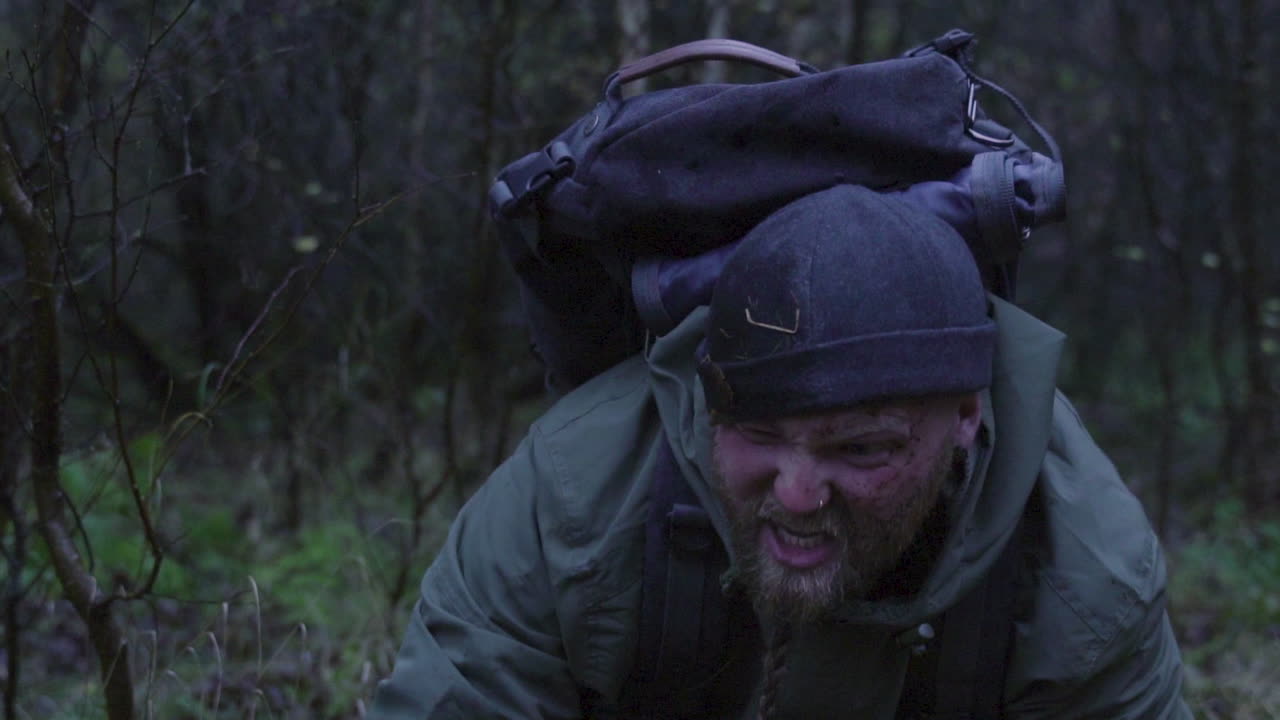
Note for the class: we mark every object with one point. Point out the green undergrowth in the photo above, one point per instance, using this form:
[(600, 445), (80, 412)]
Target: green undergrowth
[(247, 618), (302, 630), (1224, 593)]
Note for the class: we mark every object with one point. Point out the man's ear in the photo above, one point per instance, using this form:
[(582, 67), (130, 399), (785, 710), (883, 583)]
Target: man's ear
[(968, 420)]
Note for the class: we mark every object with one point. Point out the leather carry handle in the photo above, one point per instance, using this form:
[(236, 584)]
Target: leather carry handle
[(712, 49)]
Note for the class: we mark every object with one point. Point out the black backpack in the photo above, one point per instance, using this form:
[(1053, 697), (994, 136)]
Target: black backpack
[(618, 228)]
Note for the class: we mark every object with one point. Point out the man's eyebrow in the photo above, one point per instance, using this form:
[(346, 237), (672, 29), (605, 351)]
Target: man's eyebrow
[(860, 425)]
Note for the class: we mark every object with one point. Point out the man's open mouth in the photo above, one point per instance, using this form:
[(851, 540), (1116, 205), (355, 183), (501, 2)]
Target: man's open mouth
[(795, 547), (800, 539)]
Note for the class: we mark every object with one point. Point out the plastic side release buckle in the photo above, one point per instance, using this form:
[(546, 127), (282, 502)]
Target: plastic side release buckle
[(691, 529), (530, 175)]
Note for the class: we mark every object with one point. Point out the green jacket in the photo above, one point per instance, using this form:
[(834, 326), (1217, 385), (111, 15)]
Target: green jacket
[(535, 594)]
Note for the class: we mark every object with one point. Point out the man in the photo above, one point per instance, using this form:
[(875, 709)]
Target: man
[(867, 431)]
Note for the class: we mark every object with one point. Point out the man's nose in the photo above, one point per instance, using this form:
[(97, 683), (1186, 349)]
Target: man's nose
[(800, 486)]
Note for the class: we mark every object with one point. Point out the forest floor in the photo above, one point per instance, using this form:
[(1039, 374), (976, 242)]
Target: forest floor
[(251, 620)]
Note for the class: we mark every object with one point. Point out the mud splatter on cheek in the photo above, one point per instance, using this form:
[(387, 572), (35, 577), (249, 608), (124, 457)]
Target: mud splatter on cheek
[(881, 492)]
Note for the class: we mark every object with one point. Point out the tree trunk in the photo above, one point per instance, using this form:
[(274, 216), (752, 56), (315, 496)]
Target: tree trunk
[(1260, 398), (855, 15), (15, 559), (633, 21), (718, 12), (33, 227)]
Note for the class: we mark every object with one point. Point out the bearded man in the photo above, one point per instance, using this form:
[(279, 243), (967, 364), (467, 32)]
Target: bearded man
[(870, 436)]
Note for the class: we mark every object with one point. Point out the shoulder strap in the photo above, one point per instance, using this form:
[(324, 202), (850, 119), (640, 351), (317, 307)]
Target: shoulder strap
[(686, 631), (962, 677)]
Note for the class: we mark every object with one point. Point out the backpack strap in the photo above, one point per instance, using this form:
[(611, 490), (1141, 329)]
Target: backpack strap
[(977, 628), (690, 574), (962, 676), (678, 568), (687, 625)]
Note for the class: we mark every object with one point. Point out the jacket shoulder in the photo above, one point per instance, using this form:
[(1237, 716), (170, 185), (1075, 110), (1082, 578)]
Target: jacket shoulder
[(590, 449), (593, 451), (1099, 581), (527, 601), (1099, 555)]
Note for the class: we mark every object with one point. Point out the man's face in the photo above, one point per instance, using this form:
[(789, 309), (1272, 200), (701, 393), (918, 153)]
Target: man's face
[(822, 506)]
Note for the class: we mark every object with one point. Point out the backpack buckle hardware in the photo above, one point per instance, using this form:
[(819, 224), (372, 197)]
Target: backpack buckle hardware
[(537, 170), (971, 117), (690, 530), (555, 162), (917, 638)]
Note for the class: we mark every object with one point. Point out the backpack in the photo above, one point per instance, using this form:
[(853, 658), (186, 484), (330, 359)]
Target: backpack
[(618, 228)]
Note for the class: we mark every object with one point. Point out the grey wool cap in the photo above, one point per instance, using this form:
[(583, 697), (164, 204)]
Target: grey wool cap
[(842, 297)]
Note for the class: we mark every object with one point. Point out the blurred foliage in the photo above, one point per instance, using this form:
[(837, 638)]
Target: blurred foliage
[(1225, 595), (281, 303), (1230, 572)]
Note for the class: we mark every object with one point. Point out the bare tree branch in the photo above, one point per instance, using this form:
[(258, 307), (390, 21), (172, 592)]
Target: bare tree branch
[(36, 235)]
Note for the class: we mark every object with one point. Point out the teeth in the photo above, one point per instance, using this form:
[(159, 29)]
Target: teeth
[(800, 540)]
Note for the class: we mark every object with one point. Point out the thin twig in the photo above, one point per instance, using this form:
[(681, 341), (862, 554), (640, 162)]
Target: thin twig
[(147, 194), (257, 617), (253, 327), (84, 534), (113, 305), (217, 690), (235, 365)]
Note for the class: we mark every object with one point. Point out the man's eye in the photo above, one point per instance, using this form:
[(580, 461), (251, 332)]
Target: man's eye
[(869, 452), (758, 434)]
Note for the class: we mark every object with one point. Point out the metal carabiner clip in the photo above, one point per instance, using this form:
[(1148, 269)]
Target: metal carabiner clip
[(971, 117)]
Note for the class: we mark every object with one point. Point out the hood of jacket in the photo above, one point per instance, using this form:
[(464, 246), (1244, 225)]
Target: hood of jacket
[(1017, 414)]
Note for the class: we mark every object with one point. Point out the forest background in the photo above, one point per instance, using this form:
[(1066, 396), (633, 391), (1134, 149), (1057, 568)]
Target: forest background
[(258, 343)]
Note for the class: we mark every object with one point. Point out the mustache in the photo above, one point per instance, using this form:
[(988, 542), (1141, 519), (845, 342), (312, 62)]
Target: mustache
[(831, 519)]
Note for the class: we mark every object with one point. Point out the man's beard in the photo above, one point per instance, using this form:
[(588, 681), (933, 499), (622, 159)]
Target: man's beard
[(867, 546)]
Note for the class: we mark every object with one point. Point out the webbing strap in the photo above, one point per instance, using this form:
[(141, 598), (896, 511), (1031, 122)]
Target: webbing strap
[(963, 638), (962, 678), (691, 539), (995, 203), (695, 558), (684, 618), (997, 635)]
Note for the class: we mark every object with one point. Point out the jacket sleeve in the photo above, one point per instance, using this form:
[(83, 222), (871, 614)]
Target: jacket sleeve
[(483, 640), (1099, 645), (1142, 680), (1139, 677)]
